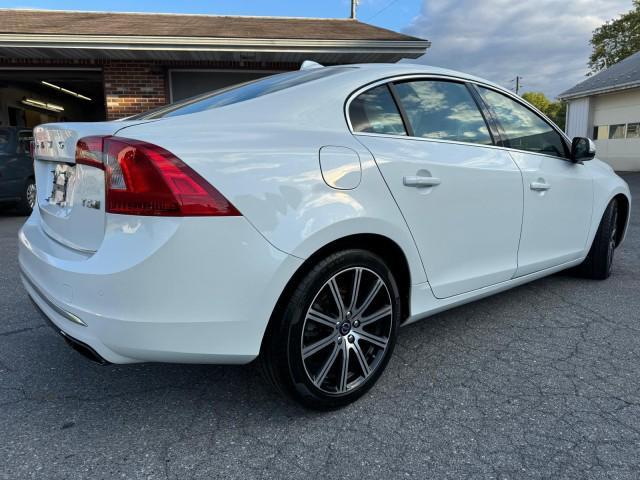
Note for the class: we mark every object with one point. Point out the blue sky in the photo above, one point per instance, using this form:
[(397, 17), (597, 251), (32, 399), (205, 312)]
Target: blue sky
[(544, 41)]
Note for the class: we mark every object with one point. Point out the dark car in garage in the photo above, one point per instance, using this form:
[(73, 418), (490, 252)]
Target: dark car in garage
[(17, 183)]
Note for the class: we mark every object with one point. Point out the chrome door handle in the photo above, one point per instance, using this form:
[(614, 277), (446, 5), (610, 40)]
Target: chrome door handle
[(418, 181), (540, 186)]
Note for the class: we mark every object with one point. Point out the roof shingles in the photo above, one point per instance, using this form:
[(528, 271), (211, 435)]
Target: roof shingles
[(137, 24), (624, 74)]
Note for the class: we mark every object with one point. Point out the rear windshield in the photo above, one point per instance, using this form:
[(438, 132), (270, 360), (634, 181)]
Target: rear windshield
[(240, 93)]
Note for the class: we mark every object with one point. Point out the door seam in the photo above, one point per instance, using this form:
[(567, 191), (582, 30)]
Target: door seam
[(415, 244), (521, 216)]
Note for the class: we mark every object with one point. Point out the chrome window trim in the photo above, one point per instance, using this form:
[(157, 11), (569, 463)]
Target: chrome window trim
[(435, 76), (454, 142)]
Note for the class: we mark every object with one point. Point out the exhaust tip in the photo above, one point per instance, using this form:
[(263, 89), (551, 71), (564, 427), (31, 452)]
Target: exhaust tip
[(83, 349)]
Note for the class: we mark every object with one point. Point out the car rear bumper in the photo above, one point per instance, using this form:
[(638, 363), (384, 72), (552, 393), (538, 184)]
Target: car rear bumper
[(189, 290)]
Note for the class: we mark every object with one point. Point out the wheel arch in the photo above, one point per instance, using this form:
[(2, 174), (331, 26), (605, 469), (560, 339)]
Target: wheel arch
[(623, 216), (383, 246)]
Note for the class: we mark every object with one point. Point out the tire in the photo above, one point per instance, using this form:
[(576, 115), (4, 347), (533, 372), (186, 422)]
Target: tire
[(599, 261), (304, 352), (28, 198)]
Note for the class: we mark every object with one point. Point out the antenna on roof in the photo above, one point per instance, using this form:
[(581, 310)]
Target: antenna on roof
[(354, 5), (310, 65)]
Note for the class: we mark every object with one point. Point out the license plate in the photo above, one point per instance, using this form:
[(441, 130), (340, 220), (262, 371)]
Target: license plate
[(61, 176)]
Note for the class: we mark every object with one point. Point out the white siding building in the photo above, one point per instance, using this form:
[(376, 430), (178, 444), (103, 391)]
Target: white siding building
[(606, 108)]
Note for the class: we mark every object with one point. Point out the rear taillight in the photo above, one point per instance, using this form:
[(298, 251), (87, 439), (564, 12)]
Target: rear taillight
[(89, 151), (144, 179)]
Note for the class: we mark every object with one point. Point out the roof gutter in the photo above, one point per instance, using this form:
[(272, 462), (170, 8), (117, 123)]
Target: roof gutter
[(140, 42), (599, 91)]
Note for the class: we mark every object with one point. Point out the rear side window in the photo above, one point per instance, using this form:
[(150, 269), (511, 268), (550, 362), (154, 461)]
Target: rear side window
[(521, 128), (375, 111), (24, 141), (5, 140), (443, 110)]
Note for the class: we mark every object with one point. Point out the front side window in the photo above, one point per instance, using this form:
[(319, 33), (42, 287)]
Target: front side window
[(521, 128), (375, 111), (442, 110), (633, 130), (616, 131)]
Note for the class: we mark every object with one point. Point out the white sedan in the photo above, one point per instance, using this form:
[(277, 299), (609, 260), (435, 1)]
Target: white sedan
[(302, 218)]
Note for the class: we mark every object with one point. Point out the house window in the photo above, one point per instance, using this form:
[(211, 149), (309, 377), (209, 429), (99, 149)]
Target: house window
[(633, 130), (601, 132), (616, 131)]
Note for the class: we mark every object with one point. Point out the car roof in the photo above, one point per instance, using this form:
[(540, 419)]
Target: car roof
[(392, 69)]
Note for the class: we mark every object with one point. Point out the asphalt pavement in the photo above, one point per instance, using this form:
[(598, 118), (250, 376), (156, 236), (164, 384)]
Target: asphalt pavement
[(542, 381)]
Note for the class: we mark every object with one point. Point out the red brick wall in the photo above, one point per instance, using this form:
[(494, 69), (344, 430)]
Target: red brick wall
[(133, 87)]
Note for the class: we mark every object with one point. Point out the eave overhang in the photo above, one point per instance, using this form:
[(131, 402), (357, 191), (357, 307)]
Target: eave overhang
[(206, 48), (599, 91)]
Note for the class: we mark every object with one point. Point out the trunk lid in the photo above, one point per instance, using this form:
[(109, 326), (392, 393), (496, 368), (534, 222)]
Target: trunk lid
[(71, 198)]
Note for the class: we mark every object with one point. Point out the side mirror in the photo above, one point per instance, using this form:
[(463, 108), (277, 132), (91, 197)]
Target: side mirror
[(582, 149)]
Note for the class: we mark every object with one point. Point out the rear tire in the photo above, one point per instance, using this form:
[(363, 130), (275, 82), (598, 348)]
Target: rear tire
[(599, 261), (328, 346), (28, 199)]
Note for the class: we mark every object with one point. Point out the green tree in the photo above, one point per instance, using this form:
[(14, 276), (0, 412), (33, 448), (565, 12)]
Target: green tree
[(538, 100), (615, 40), (556, 111)]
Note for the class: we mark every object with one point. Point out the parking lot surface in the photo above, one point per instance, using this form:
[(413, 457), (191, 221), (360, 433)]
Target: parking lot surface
[(539, 382)]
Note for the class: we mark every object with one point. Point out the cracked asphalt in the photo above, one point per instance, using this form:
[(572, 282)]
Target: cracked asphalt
[(539, 382)]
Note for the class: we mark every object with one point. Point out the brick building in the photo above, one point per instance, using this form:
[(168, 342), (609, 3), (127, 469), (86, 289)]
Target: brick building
[(59, 65)]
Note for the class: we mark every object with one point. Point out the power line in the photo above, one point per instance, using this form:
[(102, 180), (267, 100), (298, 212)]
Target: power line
[(381, 10)]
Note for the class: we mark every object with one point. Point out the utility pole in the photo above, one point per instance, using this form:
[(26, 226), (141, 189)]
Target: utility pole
[(354, 5), (518, 85)]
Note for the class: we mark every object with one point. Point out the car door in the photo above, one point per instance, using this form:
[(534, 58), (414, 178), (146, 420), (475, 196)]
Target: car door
[(460, 195), (558, 194)]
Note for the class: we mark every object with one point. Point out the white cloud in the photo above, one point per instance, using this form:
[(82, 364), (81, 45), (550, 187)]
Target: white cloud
[(544, 41)]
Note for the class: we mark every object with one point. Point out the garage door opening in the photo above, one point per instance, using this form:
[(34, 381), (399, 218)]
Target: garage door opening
[(29, 97)]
